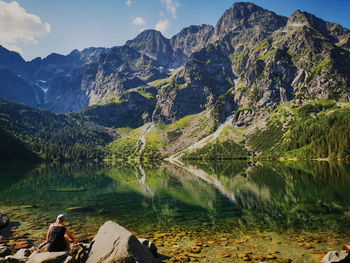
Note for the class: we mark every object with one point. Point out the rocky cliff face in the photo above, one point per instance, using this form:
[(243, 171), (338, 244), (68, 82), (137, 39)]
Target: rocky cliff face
[(253, 59)]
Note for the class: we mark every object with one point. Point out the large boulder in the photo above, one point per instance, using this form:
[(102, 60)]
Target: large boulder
[(50, 257), (4, 219), (115, 244), (336, 257)]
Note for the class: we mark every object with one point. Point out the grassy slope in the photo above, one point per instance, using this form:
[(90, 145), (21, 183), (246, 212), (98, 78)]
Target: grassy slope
[(315, 130), (162, 140)]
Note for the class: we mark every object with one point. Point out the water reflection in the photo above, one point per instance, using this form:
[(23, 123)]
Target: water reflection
[(295, 195)]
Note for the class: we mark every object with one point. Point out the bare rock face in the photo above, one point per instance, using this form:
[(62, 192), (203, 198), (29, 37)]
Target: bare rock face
[(243, 16), (115, 244)]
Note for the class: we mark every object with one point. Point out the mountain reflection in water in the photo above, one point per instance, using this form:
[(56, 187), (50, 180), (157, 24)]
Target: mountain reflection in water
[(295, 195)]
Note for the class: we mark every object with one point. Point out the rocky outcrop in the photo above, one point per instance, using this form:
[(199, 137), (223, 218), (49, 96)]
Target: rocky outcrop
[(188, 41), (132, 110), (113, 243), (4, 219)]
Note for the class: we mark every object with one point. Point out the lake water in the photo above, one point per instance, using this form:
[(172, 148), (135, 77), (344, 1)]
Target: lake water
[(306, 202)]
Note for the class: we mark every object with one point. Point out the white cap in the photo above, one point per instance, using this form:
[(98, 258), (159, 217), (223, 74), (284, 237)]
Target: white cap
[(61, 217)]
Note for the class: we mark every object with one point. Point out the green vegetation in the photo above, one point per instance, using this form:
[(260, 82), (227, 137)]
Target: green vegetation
[(217, 150), (126, 146), (316, 107), (321, 67), (268, 54), (155, 144), (315, 130), (242, 88), (50, 136)]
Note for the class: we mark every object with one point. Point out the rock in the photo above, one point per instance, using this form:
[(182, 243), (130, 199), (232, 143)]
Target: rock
[(335, 256), (4, 219), (3, 260), (4, 250), (42, 247), (346, 247), (150, 245), (49, 257), (79, 251), (21, 256), (69, 259), (23, 253), (113, 243)]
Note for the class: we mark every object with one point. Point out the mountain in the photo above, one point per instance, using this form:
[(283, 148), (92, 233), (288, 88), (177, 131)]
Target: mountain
[(245, 16), (253, 75)]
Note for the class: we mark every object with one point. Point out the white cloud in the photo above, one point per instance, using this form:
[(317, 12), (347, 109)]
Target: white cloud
[(139, 21), (17, 26), (171, 6), (13, 48), (163, 26), (128, 2)]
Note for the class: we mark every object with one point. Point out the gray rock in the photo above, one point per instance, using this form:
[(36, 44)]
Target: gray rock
[(4, 219), (114, 244), (4, 250), (336, 257), (3, 260), (50, 257), (150, 245), (12, 259), (23, 253), (21, 256), (69, 259)]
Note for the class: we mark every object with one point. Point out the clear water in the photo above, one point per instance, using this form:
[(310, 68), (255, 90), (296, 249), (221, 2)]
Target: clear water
[(204, 197)]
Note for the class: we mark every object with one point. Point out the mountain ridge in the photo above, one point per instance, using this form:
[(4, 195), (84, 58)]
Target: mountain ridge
[(247, 67)]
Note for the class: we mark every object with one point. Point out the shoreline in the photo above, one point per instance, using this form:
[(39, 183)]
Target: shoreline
[(246, 245)]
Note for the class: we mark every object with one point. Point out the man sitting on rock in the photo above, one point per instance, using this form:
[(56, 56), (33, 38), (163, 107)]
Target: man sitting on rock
[(59, 236)]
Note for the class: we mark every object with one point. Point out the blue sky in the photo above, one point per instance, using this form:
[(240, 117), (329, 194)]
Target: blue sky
[(63, 25)]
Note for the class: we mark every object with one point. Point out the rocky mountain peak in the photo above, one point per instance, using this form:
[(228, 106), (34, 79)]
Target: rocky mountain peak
[(299, 18), (330, 30), (245, 15), (10, 59), (153, 44)]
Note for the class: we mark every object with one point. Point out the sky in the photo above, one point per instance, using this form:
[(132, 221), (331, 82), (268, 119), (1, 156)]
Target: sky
[(36, 28)]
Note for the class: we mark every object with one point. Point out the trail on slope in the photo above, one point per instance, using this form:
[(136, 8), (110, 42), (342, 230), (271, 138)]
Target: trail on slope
[(201, 143), (148, 128)]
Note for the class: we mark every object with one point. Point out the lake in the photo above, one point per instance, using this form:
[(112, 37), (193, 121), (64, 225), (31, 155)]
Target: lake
[(298, 210)]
